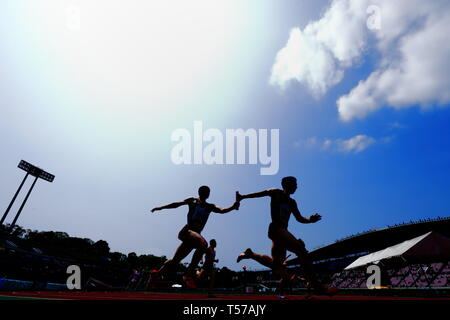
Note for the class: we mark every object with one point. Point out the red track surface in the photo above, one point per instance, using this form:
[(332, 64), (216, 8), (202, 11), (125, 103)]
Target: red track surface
[(69, 295)]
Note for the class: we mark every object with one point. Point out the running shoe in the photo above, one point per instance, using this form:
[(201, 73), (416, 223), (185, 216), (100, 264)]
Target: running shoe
[(244, 255)]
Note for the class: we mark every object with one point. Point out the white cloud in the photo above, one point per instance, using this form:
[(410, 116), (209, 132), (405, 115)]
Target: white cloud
[(316, 68), (355, 144), (327, 144), (411, 42), (309, 143), (314, 57)]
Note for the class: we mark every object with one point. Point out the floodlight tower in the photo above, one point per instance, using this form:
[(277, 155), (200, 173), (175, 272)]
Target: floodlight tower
[(37, 173)]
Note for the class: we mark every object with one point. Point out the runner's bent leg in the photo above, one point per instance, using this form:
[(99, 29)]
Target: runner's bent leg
[(263, 259), (182, 251), (196, 241), (279, 255), (298, 247)]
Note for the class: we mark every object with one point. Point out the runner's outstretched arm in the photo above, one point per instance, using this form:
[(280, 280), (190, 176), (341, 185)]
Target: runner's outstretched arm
[(264, 193), (217, 209), (298, 216), (172, 205)]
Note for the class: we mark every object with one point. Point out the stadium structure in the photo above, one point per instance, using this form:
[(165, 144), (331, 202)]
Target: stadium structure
[(398, 270)]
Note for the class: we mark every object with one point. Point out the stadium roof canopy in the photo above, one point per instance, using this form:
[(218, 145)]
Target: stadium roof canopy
[(376, 240), (429, 247)]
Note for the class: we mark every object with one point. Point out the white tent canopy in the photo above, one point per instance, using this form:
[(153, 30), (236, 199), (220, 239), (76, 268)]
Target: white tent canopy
[(427, 247)]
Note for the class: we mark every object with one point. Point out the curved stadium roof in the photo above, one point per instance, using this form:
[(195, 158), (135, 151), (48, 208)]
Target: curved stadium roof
[(375, 240)]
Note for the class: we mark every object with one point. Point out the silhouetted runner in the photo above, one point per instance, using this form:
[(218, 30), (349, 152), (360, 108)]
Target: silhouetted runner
[(189, 235), (281, 207), (208, 271)]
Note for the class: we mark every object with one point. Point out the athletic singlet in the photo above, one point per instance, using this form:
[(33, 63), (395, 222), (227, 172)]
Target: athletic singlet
[(198, 214), (280, 209)]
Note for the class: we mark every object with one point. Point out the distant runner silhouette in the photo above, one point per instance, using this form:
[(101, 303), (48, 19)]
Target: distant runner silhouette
[(189, 235), (281, 207), (208, 271)]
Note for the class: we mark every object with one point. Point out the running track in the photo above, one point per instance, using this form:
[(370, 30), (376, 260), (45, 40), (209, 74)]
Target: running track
[(77, 295)]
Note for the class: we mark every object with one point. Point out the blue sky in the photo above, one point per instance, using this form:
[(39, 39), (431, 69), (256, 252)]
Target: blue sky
[(363, 126)]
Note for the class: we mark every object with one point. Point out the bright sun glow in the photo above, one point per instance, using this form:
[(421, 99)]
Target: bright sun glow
[(147, 55)]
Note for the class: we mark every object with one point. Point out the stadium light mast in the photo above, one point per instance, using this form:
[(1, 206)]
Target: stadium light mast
[(37, 173)]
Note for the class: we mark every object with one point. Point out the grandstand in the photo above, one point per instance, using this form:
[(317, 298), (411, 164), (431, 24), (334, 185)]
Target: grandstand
[(332, 259), (374, 240)]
